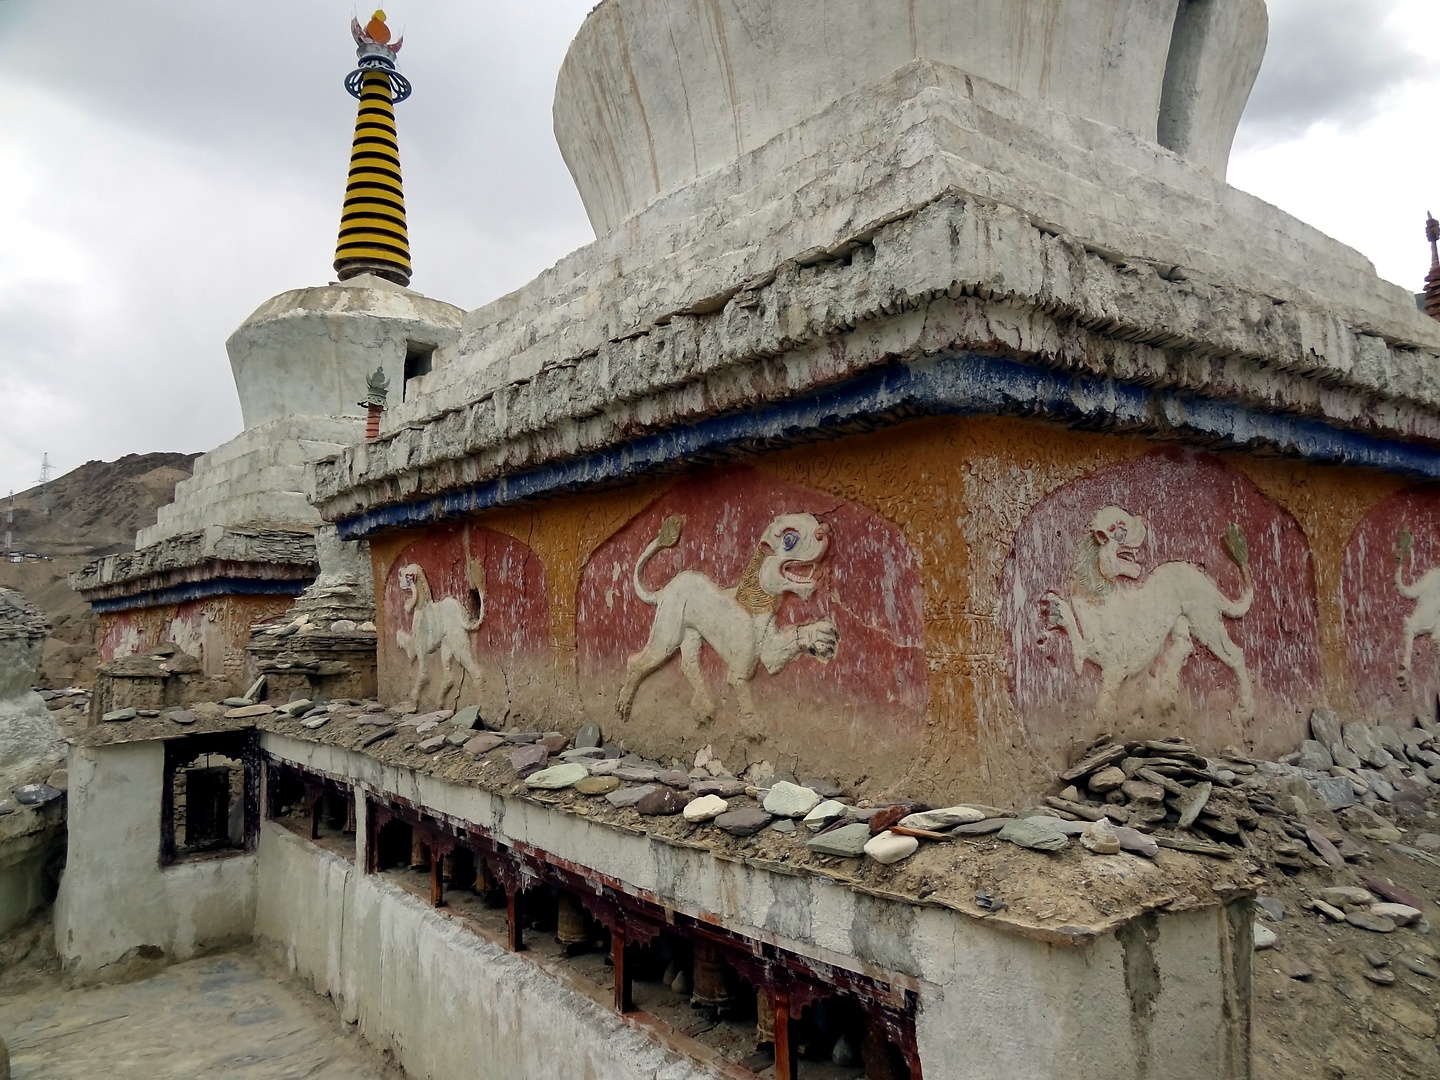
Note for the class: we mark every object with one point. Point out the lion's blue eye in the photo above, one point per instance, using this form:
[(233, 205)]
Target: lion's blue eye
[(790, 539)]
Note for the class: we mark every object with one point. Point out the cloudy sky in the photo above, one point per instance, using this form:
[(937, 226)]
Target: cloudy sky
[(166, 165)]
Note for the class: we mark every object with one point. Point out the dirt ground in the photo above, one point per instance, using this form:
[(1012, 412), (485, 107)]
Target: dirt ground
[(226, 1015), (1338, 1025)]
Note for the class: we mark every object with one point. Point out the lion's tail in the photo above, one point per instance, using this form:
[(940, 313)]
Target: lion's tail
[(1239, 552), (669, 536)]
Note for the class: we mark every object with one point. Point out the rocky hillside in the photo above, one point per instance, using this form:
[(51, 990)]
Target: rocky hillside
[(92, 511)]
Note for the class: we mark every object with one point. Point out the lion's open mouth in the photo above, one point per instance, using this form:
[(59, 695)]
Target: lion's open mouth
[(802, 573), (1128, 555)]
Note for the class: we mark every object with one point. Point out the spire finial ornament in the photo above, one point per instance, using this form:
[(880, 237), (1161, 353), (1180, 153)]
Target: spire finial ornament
[(377, 389), (1432, 279), (373, 235)]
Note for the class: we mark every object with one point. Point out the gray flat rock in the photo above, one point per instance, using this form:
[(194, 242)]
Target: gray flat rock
[(947, 818), (1027, 834), (467, 718), (630, 796), (746, 822), (638, 774), (791, 800), (981, 828), (481, 745), (557, 777), (528, 759), (726, 789), (1271, 907), (846, 842), (120, 716), (1365, 920), (588, 737), (36, 794), (582, 753)]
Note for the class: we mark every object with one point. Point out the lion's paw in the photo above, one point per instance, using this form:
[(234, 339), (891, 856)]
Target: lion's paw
[(820, 640), (1053, 611)]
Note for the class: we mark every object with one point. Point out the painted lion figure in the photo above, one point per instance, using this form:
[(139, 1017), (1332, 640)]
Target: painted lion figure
[(1424, 617), (442, 626), (738, 622), (1124, 624)]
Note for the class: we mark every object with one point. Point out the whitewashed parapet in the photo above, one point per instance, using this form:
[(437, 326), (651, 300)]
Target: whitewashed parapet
[(956, 274)]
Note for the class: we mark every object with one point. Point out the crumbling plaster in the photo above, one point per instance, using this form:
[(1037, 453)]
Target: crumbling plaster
[(654, 93), (255, 479), (308, 352), (30, 841), (115, 898), (1116, 258), (377, 950), (30, 742)]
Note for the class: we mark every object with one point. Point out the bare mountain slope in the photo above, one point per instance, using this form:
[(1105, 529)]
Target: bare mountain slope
[(91, 511)]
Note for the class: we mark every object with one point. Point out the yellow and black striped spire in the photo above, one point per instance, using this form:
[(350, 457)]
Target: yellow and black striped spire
[(373, 237)]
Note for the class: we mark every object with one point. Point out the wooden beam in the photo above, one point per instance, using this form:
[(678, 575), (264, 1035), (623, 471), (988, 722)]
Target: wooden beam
[(516, 941), (786, 1052), (437, 880), (624, 984)]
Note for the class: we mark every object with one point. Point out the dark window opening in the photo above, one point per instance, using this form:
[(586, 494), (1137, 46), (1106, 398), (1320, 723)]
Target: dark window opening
[(419, 360), (312, 806), (393, 846), (210, 802)]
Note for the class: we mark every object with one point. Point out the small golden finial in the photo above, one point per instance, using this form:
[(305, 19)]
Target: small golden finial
[(376, 30)]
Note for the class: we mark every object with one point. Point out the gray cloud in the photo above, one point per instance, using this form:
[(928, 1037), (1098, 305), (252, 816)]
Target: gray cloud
[(173, 165), (1328, 60)]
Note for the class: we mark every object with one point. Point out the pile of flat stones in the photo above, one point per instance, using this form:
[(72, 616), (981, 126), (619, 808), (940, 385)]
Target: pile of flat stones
[(1134, 797), (1227, 805)]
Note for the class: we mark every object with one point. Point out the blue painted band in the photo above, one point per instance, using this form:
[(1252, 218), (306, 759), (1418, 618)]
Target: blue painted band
[(953, 383), (200, 590)]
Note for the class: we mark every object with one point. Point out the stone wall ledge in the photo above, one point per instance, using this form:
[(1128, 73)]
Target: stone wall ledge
[(675, 865), (217, 552)]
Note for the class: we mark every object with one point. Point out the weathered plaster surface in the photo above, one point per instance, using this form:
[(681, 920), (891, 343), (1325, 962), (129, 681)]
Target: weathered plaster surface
[(308, 352), (30, 840), (955, 274), (654, 93), (991, 1004), (30, 742), (214, 631), (447, 1003), (256, 480), (115, 898), (992, 512)]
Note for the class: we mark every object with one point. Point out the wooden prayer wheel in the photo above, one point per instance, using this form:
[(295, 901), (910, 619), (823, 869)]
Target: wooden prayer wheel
[(878, 1056), (710, 978), (764, 1020), (572, 928)]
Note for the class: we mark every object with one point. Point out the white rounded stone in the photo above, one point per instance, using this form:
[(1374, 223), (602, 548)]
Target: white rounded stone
[(705, 808), (888, 848)]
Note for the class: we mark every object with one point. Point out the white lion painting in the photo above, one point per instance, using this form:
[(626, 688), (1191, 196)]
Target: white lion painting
[(738, 622), (442, 626), (1124, 624), (1424, 618)]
